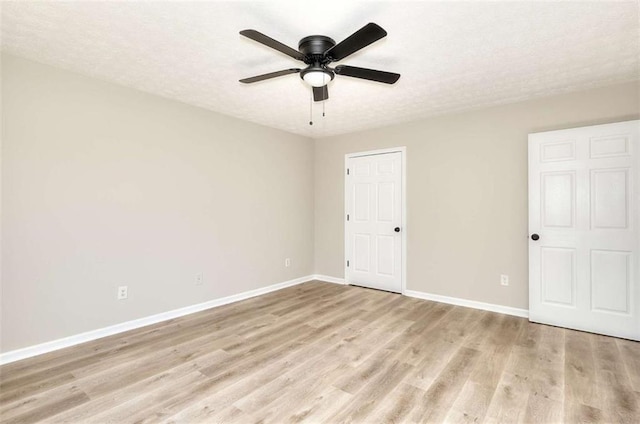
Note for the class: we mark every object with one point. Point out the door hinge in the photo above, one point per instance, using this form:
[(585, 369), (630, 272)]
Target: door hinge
[(347, 264), (347, 171)]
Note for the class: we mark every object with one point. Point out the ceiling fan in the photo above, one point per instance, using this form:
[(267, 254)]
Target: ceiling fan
[(318, 51)]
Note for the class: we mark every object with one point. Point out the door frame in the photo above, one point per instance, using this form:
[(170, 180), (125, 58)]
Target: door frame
[(403, 204)]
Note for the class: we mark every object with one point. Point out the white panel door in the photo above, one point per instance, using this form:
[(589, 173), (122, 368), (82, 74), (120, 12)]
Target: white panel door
[(373, 245), (584, 213)]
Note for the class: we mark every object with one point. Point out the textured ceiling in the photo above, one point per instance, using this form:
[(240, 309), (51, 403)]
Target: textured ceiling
[(452, 56)]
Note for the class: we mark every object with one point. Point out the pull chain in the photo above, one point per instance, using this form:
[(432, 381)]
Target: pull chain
[(311, 107), (324, 79)]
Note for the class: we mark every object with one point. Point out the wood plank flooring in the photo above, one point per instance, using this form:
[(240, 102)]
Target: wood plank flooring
[(321, 352)]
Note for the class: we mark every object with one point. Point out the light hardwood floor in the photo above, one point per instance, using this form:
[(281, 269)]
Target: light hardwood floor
[(322, 352)]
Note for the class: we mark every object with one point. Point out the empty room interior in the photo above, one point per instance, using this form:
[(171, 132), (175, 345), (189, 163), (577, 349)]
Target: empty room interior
[(320, 212)]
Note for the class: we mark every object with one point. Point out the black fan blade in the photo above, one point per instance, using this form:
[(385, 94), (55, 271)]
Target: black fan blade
[(270, 42), (320, 93), (270, 75), (368, 74), (361, 38)]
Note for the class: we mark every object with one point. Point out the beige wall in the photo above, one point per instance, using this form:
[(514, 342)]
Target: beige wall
[(466, 191), (106, 186)]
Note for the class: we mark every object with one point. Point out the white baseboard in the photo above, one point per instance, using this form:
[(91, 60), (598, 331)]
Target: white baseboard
[(328, 279), (508, 310), (27, 352)]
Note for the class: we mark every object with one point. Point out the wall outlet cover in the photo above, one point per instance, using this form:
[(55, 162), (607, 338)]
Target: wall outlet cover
[(123, 292)]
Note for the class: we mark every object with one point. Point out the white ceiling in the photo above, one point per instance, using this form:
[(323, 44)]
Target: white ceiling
[(452, 56)]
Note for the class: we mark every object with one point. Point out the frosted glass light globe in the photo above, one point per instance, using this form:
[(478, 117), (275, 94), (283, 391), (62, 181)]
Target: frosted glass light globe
[(316, 78)]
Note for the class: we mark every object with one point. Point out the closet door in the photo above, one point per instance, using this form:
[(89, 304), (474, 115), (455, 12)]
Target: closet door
[(373, 199), (584, 236)]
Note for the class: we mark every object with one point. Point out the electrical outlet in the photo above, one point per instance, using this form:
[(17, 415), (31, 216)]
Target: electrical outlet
[(287, 262), (504, 280), (122, 292), (199, 279)]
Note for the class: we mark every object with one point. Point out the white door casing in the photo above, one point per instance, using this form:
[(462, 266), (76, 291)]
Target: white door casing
[(584, 196), (375, 231)]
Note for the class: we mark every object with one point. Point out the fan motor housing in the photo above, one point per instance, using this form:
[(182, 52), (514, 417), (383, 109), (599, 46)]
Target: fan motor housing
[(315, 44)]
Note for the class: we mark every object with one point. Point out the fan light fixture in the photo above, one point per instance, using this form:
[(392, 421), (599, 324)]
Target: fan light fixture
[(316, 75), (316, 78)]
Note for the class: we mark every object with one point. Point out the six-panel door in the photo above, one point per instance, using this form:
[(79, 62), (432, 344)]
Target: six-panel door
[(583, 204), (373, 205)]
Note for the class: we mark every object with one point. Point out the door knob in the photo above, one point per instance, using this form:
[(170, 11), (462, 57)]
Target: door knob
[(535, 237), (397, 229)]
